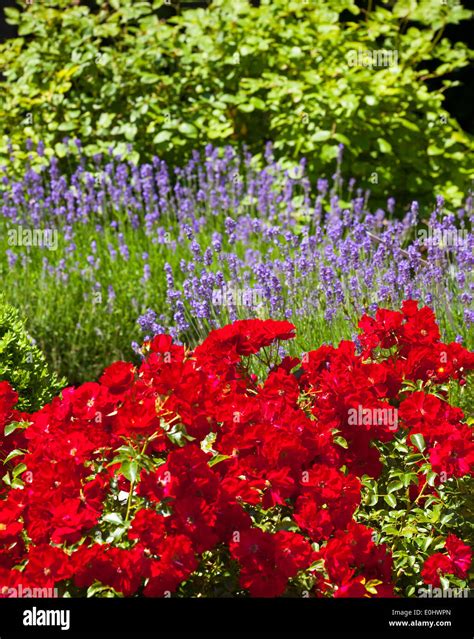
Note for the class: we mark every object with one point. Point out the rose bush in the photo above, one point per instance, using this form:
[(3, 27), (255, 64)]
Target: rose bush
[(192, 475)]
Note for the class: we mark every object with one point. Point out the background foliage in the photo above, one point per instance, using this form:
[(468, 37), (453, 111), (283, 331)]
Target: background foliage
[(114, 73)]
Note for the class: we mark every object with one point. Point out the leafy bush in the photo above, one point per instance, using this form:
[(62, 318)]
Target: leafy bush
[(22, 364), (297, 73), (340, 474)]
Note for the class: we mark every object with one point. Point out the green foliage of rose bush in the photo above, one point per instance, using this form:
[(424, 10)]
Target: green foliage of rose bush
[(116, 74)]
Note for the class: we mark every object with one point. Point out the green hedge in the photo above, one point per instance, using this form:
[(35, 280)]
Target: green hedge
[(23, 364), (291, 71)]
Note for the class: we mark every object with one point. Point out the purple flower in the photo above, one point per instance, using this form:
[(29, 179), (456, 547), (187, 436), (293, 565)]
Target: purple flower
[(12, 258), (225, 221)]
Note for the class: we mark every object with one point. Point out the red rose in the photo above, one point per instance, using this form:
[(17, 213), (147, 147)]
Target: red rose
[(292, 552), (47, 566), (454, 454), (436, 566), (118, 377), (460, 554), (176, 564), (89, 400)]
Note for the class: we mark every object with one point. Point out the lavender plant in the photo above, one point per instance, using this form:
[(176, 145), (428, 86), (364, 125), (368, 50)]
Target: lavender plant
[(99, 259)]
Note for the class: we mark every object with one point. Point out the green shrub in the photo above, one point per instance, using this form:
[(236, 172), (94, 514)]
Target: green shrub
[(288, 71), (23, 364)]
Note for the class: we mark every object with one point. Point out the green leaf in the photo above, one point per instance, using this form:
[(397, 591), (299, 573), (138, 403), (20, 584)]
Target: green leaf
[(26, 28), (445, 519), (246, 107), (435, 514), (130, 131), (413, 458), (179, 436), (113, 518), (394, 485), (427, 543), (338, 439), (118, 532), (431, 478), (162, 136), (19, 469), (444, 582), (371, 586), (61, 149), (384, 145), (12, 15), (320, 136), (340, 137), (12, 426), (371, 499), (408, 124), (128, 450), (258, 103), (409, 478), (129, 469), (432, 499), (217, 459), (188, 129), (105, 120), (67, 126), (13, 454), (390, 500), (96, 589), (419, 441), (390, 530)]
